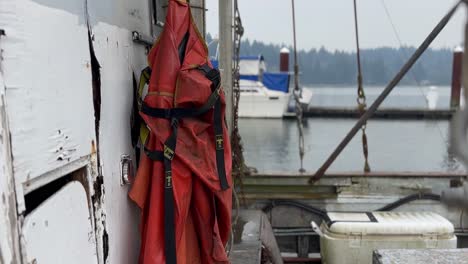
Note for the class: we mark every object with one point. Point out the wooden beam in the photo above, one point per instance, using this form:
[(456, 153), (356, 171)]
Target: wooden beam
[(389, 113), (361, 174)]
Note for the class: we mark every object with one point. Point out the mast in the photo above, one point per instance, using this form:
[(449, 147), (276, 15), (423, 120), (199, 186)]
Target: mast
[(225, 56)]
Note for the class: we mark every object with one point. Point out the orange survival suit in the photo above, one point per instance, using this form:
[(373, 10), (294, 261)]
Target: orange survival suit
[(183, 179)]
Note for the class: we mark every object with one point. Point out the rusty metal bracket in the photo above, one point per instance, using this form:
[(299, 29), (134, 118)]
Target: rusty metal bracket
[(139, 38), (127, 171)]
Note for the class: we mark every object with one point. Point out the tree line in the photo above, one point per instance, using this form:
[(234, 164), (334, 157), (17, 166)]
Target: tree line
[(379, 65)]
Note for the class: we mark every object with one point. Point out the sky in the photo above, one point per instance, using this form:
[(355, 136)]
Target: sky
[(330, 23)]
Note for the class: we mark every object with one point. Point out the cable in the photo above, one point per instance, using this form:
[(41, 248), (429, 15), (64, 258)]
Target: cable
[(405, 57), (409, 198), (308, 208), (323, 214)]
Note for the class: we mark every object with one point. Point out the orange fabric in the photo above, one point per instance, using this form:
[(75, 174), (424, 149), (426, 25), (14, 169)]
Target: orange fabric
[(202, 210)]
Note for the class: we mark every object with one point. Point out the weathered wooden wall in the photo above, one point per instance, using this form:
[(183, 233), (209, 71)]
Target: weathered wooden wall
[(67, 71), (118, 62), (47, 105)]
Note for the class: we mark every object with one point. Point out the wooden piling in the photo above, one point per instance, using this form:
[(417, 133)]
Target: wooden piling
[(284, 60), (456, 78)]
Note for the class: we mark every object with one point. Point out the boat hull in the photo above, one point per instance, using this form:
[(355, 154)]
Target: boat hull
[(254, 105)]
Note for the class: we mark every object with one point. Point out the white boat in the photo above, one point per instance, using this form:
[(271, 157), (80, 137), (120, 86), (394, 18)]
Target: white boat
[(432, 97), (265, 94), (306, 97), (257, 101)]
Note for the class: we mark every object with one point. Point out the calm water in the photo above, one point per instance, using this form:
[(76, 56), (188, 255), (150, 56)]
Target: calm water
[(400, 97), (394, 145)]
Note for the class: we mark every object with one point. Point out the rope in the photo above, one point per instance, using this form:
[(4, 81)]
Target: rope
[(361, 99), (239, 168), (238, 162), (297, 95)]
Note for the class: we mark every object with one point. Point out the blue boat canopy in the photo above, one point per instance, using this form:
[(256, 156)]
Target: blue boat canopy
[(215, 63), (258, 57), (277, 81), (248, 77), (274, 81)]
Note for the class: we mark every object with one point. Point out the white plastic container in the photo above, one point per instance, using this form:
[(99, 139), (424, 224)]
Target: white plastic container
[(350, 238)]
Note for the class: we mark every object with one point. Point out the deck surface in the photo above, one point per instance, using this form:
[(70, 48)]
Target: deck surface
[(247, 244), (251, 232), (421, 256)]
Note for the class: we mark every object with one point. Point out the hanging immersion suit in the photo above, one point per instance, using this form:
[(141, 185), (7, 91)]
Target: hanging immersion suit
[(183, 181)]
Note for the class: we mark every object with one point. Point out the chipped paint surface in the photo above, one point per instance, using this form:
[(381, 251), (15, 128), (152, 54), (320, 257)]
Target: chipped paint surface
[(119, 59), (52, 175), (68, 104), (48, 88), (96, 195), (64, 219), (9, 246)]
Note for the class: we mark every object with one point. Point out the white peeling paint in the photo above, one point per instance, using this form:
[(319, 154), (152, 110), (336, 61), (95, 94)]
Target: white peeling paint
[(59, 230), (9, 246), (97, 207), (48, 88), (119, 57)]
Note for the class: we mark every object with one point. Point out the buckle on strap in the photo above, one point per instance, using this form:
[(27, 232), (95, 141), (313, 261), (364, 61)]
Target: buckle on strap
[(219, 142), (168, 179), (213, 75), (168, 153), (210, 73)]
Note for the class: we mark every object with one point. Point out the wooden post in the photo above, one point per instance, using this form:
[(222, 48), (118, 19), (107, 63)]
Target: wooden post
[(284, 60), (456, 78), (225, 55)]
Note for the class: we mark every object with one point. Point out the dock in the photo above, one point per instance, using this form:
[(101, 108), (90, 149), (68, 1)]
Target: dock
[(386, 113), (291, 203), (282, 185)]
